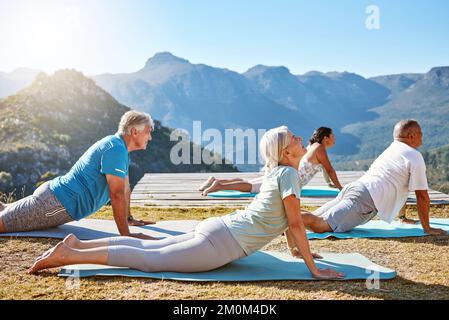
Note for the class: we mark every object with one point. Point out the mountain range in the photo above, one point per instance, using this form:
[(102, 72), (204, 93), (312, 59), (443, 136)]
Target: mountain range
[(179, 92), (11, 82), (362, 111)]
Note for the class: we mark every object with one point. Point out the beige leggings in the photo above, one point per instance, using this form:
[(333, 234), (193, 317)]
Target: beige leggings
[(210, 246)]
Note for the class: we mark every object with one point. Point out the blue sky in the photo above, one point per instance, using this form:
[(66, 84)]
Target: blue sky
[(98, 36)]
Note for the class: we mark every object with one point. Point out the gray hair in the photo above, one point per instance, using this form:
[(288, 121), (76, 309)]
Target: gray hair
[(271, 146), (134, 119), (404, 127)]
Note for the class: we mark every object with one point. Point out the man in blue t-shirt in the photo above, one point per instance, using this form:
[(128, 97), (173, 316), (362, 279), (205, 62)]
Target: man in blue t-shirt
[(99, 176)]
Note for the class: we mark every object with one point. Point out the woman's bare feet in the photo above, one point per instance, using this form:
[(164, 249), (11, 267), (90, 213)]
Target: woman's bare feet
[(207, 184), (214, 187), (139, 223), (45, 254), (53, 258), (72, 241), (407, 220)]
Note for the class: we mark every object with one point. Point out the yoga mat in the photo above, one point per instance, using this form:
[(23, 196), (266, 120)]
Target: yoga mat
[(261, 265), (381, 229), (305, 192), (319, 192), (231, 194), (87, 229)]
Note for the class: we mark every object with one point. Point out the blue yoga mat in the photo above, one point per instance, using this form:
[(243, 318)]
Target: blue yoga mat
[(88, 229), (261, 265), (319, 192), (305, 192), (381, 229)]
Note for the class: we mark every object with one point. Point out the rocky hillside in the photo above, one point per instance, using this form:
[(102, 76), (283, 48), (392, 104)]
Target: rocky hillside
[(426, 100), (437, 161), (47, 126)]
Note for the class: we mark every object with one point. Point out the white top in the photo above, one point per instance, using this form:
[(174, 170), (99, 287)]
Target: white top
[(397, 171), (264, 218), (307, 171)]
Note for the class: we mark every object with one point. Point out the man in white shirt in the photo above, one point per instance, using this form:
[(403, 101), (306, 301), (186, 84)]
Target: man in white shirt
[(383, 190)]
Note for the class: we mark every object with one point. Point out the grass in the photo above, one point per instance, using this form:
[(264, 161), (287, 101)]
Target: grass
[(421, 264)]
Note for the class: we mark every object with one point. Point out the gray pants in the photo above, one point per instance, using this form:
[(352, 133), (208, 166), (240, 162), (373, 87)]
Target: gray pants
[(40, 211), (352, 207), (210, 246)]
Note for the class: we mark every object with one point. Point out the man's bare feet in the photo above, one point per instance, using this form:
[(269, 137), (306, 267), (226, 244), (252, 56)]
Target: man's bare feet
[(53, 258), (72, 241), (207, 184), (408, 221), (214, 187)]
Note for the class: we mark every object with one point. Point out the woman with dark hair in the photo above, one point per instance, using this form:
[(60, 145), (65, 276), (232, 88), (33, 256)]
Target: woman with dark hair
[(314, 160)]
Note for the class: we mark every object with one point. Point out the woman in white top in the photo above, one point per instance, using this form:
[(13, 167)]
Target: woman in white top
[(313, 161), (215, 241)]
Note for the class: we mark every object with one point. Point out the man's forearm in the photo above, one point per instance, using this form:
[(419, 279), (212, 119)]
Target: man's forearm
[(120, 210), (128, 203), (423, 212)]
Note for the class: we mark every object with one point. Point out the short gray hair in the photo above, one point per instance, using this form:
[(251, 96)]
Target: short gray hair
[(134, 119), (404, 127)]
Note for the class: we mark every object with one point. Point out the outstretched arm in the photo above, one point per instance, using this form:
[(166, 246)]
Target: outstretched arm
[(131, 220), (298, 232), (423, 204), (325, 162), (120, 205)]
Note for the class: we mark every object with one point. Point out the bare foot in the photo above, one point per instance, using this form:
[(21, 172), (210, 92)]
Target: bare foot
[(207, 184), (51, 259), (214, 187), (72, 241), (45, 254), (408, 221)]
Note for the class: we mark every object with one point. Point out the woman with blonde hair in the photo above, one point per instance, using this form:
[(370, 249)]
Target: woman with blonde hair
[(314, 160), (216, 241)]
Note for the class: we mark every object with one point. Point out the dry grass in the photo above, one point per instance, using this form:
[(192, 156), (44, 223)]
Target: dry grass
[(421, 264)]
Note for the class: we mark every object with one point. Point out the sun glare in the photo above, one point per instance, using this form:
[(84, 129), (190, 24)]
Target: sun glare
[(50, 37)]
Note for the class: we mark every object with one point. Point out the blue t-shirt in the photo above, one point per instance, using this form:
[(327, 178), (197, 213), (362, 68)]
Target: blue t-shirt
[(84, 189)]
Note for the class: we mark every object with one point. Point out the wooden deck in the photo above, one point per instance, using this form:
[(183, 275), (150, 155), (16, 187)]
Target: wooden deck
[(181, 190)]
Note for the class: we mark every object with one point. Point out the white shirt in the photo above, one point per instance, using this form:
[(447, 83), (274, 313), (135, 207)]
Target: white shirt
[(397, 171)]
